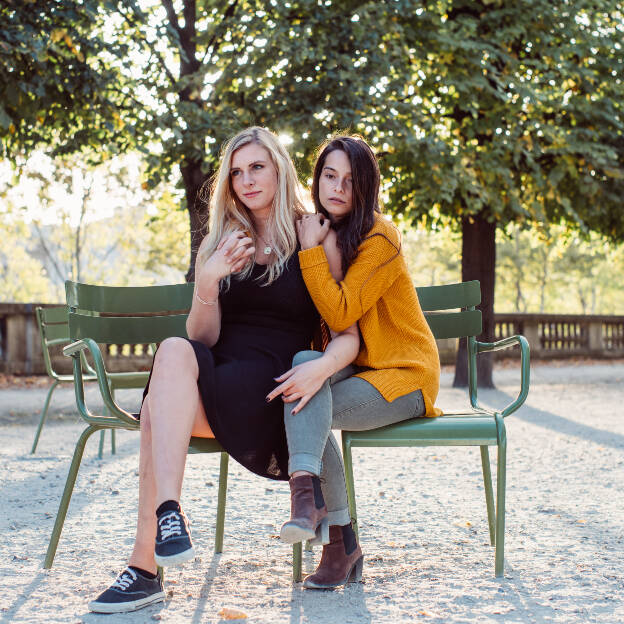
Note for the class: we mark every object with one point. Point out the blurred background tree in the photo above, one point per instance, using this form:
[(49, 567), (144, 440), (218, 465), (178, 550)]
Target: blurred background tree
[(484, 113)]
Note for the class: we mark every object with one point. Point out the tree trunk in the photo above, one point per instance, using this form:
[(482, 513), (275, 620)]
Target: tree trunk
[(479, 263), (193, 178)]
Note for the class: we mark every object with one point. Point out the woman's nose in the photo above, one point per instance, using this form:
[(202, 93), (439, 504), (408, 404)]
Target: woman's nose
[(339, 188), (247, 178)]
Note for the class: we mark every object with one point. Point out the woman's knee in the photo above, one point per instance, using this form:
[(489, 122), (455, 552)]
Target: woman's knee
[(175, 355), (306, 356)]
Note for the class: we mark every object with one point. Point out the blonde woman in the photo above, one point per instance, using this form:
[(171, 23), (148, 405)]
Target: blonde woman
[(251, 313)]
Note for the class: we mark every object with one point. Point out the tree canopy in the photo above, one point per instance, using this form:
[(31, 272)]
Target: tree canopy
[(483, 112)]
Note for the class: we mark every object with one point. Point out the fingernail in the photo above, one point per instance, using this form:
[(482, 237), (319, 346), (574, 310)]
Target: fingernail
[(268, 400)]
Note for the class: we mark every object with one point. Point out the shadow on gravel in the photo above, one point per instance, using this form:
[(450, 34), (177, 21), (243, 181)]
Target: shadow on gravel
[(204, 592), (340, 605), (47, 485), (554, 422), (11, 614)]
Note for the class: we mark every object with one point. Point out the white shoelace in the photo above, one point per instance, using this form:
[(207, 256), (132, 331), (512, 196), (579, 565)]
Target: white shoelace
[(125, 579), (169, 525)]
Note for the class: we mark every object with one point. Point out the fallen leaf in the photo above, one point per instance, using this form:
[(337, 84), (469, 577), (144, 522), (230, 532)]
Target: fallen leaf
[(463, 523), (228, 613)]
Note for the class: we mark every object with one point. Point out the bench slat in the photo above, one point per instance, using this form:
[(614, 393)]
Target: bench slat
[(442, 431), (450, 296), (128, 299), (455, 324), (126, 329)]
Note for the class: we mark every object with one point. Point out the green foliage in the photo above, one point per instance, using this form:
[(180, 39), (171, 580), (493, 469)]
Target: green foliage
[(515, 110), (508, 110), (59, 85)]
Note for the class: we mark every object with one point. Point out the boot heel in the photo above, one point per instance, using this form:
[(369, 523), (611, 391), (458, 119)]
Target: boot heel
[(355, 576), (321, 535)]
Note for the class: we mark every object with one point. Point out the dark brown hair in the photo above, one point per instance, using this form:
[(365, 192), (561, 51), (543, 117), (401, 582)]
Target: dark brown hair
[(353, 227)]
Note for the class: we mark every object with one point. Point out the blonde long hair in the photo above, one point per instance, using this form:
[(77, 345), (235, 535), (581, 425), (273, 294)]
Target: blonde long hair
[(227, 213)]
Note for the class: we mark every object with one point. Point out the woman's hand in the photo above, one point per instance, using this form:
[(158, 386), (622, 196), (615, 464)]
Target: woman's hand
[(301, 382), (312, 230), (231, 255)]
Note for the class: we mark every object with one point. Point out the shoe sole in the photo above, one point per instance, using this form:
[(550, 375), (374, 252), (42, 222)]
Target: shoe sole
[(125, 607), (292, 533), (174, 560)]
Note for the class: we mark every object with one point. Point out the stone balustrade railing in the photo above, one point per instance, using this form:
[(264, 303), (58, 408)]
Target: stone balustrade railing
[(549, 335)]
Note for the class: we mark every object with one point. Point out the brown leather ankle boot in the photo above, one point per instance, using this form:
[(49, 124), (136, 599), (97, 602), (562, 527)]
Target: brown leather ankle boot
[(341, 562), (308, 513)]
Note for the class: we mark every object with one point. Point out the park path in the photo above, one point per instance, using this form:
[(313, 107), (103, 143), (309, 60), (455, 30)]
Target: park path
[(423, 522)]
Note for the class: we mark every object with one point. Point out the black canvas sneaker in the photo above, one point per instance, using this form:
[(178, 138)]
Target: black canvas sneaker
[(173, 539), (129, 592)]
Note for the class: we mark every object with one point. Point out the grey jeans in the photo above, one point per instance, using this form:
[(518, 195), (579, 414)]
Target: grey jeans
[(343, 402)]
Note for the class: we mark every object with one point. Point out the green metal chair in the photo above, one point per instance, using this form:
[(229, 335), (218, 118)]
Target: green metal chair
[(54, 330), (476, 426), (127, 315)]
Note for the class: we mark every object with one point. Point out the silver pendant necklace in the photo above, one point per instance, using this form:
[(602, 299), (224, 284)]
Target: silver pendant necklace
[(267, 248)]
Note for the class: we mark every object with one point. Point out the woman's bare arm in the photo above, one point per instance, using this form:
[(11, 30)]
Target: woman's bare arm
[(204, 319)]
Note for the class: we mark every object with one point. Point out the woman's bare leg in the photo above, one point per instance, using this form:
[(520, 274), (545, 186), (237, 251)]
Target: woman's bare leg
[(171, 413), (143, 551), (174, 405)]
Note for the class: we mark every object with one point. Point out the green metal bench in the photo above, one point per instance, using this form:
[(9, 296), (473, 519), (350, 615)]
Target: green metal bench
[(476, 426), (127, 315)]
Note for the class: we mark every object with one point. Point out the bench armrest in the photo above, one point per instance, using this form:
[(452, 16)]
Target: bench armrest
[(483, 347), (75, 350)]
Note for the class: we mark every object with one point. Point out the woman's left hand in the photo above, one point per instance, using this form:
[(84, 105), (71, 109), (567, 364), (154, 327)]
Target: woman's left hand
[(300, 382), (312, 230)]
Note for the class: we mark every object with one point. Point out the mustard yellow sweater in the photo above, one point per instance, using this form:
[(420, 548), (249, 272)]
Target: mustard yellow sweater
[(377, 292)]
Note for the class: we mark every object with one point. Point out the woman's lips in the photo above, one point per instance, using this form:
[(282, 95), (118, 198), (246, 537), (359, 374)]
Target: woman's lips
[(336, 200), (252, 194)]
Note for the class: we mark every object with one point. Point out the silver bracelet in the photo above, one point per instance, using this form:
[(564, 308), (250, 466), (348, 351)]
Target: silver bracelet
[(203, 302)]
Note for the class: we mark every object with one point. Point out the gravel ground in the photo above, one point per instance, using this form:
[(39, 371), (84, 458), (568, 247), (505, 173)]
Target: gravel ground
[(422, 513)]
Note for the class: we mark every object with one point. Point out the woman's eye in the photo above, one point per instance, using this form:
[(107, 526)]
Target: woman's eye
[(234, 173), (329, 176), (258, 166)]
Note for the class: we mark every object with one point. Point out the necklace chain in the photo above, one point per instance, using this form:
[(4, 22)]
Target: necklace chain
[(267, 248)]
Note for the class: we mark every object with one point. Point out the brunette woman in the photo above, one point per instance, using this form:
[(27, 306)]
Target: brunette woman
[(396, 373)]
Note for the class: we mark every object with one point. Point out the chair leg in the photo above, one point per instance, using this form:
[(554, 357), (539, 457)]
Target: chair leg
[(101, 445), (67, 492), (221, 499), (348, 465), (501, 477), (489, 495), (113, 449), (44, 414), (297, 577)]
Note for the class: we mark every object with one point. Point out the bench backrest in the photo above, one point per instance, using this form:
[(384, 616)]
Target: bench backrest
[(120, 314), (52, 323), (461, 298)]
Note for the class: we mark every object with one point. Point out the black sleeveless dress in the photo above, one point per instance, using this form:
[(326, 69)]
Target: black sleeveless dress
[(262, 327)]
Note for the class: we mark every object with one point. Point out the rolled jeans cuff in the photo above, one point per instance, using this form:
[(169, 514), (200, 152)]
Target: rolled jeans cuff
[(339, 517), (304, 461)]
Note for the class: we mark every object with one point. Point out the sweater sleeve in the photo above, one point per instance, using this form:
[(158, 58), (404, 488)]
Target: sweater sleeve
[(372, 272)]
